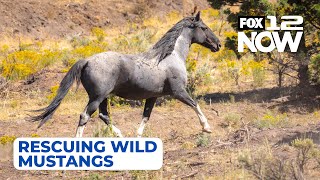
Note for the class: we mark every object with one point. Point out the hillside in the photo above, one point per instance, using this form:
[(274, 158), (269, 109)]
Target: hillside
[(45, 18)]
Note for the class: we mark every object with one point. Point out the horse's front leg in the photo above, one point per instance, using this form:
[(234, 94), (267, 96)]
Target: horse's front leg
[(184, 97), (146, 114)]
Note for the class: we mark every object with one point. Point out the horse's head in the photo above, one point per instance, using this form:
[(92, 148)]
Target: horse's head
[(203, 35)]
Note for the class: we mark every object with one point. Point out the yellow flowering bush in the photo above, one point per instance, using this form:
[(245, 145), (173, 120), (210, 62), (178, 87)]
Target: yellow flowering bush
[(272, 120), (35, 135), (209, 13), (173, 16), (7, 139), (86, 51), (20, 64), (54, 90), (98, 33)]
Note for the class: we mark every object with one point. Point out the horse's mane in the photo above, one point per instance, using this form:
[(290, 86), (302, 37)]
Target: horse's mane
[(165, 45)]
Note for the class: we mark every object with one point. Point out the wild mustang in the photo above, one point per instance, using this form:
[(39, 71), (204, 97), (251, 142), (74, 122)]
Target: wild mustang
[(149, 75)]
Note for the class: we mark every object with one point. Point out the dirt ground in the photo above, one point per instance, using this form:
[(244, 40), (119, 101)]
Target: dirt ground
[(178, 127)]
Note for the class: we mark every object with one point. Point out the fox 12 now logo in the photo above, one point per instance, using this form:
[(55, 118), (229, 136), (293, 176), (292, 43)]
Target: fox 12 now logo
[(291, 27)]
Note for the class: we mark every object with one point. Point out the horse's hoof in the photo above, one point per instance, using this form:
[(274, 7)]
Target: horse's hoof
[(207, 130)]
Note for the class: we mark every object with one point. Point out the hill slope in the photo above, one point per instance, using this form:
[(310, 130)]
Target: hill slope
[(45, 18)]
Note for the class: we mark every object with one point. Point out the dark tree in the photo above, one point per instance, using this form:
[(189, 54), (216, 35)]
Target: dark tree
[(309, 9)]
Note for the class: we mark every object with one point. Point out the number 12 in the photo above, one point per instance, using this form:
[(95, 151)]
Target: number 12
[(284, 25)]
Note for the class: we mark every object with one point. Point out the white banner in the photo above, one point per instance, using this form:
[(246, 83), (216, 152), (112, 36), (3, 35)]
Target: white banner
[(88, 153)]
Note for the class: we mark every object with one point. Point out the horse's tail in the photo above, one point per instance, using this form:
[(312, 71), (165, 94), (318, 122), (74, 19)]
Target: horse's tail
[(73, 74)]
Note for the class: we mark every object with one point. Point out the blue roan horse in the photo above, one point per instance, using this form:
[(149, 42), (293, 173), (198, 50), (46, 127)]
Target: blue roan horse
[(149, 75)]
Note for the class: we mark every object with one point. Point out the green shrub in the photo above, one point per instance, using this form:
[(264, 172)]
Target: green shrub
[(94, 176), (258, 72), (203, 140), (79, 41), (314, 69), (197, 76), (258, 75), (232, 119), (230, 70), (306, 151), (136, 42), (263, 163), (104, 131)]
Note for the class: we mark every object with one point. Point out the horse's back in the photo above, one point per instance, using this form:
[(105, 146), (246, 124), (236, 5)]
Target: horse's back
[(102, 71), (142, 80)]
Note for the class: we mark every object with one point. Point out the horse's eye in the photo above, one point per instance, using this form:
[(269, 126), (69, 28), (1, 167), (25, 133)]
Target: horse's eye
[(204, 28)]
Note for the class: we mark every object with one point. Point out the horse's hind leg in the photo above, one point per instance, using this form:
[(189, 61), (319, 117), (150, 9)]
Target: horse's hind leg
[(85, 116), (104, 115)]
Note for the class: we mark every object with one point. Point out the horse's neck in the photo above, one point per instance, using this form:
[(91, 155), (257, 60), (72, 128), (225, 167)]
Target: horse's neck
[(182, 45)]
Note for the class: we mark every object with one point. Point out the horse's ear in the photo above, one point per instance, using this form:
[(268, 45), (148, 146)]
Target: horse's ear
[(194, 10), (197, 17)]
